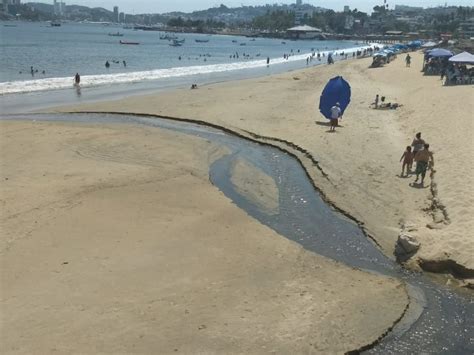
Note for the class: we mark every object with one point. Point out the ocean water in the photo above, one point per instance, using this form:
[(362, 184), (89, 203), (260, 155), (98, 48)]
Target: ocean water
[(84, 48)]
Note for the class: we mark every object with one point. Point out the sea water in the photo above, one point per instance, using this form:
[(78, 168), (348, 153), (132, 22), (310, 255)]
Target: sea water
[(58, 53)]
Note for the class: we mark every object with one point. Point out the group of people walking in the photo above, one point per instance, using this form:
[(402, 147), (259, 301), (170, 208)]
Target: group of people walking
[(418, 152)]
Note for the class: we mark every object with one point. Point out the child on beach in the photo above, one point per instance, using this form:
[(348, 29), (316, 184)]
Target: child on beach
[(407, 161)]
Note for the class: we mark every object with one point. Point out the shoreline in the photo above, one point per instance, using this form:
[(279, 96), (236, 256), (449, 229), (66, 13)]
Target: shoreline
[(230, 107), (196, 109)]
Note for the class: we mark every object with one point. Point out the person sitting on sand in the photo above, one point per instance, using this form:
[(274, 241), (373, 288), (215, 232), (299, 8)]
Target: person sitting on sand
[(417, 144), (423, 158), (335, 114), (407, 161), (388, 105)]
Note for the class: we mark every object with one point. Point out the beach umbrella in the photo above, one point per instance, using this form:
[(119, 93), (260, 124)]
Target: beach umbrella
[(439, 52), (464, 57), (336, 90)]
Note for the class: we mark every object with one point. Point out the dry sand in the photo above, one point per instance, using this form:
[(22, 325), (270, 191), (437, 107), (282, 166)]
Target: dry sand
[(114, 241), (361, 160)]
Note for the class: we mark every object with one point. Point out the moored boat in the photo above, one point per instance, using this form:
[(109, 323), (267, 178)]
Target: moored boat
[(201, 40), (118, 34), (129, 42)]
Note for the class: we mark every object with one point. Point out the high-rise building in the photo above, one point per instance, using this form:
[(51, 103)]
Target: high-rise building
[(59, 8), (347, 8), (5, 5), (116, 14), (121, 17)]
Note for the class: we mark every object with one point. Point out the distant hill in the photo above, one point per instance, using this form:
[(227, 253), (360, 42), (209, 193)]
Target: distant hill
[(219, 13)]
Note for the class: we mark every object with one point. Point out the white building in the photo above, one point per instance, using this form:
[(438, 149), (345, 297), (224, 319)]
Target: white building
[(304, 32)]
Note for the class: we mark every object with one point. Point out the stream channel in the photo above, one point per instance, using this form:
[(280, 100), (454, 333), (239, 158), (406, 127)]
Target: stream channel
[(438, 320)]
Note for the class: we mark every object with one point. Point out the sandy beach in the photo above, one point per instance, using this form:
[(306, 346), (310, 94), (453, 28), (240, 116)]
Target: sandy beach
[(114, 239), (361, 160)]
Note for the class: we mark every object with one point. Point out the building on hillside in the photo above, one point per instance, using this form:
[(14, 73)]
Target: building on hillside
[(347, 8), (59, 8), (404, 10), (466, 28), (304, 32)]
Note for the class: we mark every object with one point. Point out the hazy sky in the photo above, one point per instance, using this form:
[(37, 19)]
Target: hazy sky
[(160, 6)]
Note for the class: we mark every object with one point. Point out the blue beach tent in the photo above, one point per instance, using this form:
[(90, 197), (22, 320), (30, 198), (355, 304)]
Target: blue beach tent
[(414, 44), (439, 52), (336, 90)]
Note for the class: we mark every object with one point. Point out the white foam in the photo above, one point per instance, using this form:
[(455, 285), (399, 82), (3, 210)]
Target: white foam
[(14, 87)]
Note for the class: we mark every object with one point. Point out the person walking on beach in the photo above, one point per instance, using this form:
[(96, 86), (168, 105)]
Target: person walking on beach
[(407, 161), (423, 158), (417, 144), (77, 79), (335, 114), (408, 60)]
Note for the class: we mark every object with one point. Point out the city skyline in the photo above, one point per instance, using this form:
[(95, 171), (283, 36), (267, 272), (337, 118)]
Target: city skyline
[(152, 6)]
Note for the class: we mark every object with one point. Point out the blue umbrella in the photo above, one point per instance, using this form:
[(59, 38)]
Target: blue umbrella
[(336, 90), (440, 52)]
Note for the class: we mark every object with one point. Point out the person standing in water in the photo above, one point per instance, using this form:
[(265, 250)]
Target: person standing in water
[(77, 79), (107, 64)]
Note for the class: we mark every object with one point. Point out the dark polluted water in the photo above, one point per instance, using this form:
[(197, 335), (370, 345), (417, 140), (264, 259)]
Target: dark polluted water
[(438, 321)]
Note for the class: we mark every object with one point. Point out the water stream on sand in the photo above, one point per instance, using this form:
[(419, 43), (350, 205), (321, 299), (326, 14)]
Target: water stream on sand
[(438, 321)]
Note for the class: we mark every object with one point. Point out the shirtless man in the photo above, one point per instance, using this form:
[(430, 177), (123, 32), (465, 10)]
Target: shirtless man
[(417, 144), (423, 157)]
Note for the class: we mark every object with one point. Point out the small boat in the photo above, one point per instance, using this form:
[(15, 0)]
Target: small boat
[(55, 24), (234, 41), (128, 42), (243, 44), (181, 41), (176, 43), (201, 40), (168, 37), (118, 34), (9, 25)]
